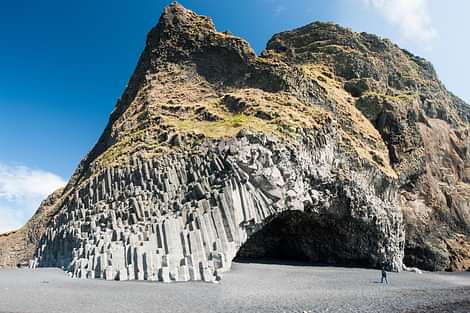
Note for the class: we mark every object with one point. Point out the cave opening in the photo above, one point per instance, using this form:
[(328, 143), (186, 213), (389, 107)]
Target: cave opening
[(296, 237), (277, 241)]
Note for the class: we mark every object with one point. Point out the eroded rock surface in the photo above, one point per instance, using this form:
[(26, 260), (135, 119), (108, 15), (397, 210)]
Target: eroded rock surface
[(211, 146), (425, 128), (17, 248)]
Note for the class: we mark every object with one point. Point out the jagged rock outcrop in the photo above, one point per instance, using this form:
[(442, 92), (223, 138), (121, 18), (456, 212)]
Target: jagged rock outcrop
[(213, 151)]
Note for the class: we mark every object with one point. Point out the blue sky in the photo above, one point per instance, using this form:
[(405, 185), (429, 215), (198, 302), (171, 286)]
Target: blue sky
[(63, 64)]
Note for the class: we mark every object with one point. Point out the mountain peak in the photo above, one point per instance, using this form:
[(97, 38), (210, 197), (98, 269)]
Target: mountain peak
[(176, 18), (183, 44), (181, 33)]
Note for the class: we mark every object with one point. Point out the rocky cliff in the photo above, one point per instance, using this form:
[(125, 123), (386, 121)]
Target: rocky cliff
[(425, 129), (332, 146)]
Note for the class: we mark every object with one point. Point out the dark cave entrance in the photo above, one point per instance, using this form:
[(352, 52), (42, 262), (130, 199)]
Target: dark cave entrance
[(278, 241), (300, 237)]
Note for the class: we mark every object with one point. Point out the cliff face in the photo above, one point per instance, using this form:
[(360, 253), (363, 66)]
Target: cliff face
[(425, 129), (322, 148)]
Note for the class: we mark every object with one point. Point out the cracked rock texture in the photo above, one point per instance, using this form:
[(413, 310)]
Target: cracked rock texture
[(332, 146)]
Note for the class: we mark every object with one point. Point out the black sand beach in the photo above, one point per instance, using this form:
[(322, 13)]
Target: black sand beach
[(247, 288)]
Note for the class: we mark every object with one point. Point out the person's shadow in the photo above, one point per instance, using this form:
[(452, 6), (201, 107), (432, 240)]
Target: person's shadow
[(380, 282)]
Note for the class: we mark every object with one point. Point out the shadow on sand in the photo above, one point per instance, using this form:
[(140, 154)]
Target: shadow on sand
[(292, 263)]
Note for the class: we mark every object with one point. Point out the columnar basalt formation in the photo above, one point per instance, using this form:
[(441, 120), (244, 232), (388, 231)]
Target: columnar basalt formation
[(183, 217), (211, 148)]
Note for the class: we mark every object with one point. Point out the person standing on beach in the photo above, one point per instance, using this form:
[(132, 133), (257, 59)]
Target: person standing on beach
[(217, 277), (384, 276)]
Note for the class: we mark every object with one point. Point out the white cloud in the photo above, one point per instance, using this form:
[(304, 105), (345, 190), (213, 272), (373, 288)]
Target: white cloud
[(21, 191), (410, 16), (278, 10), (10, 219)]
